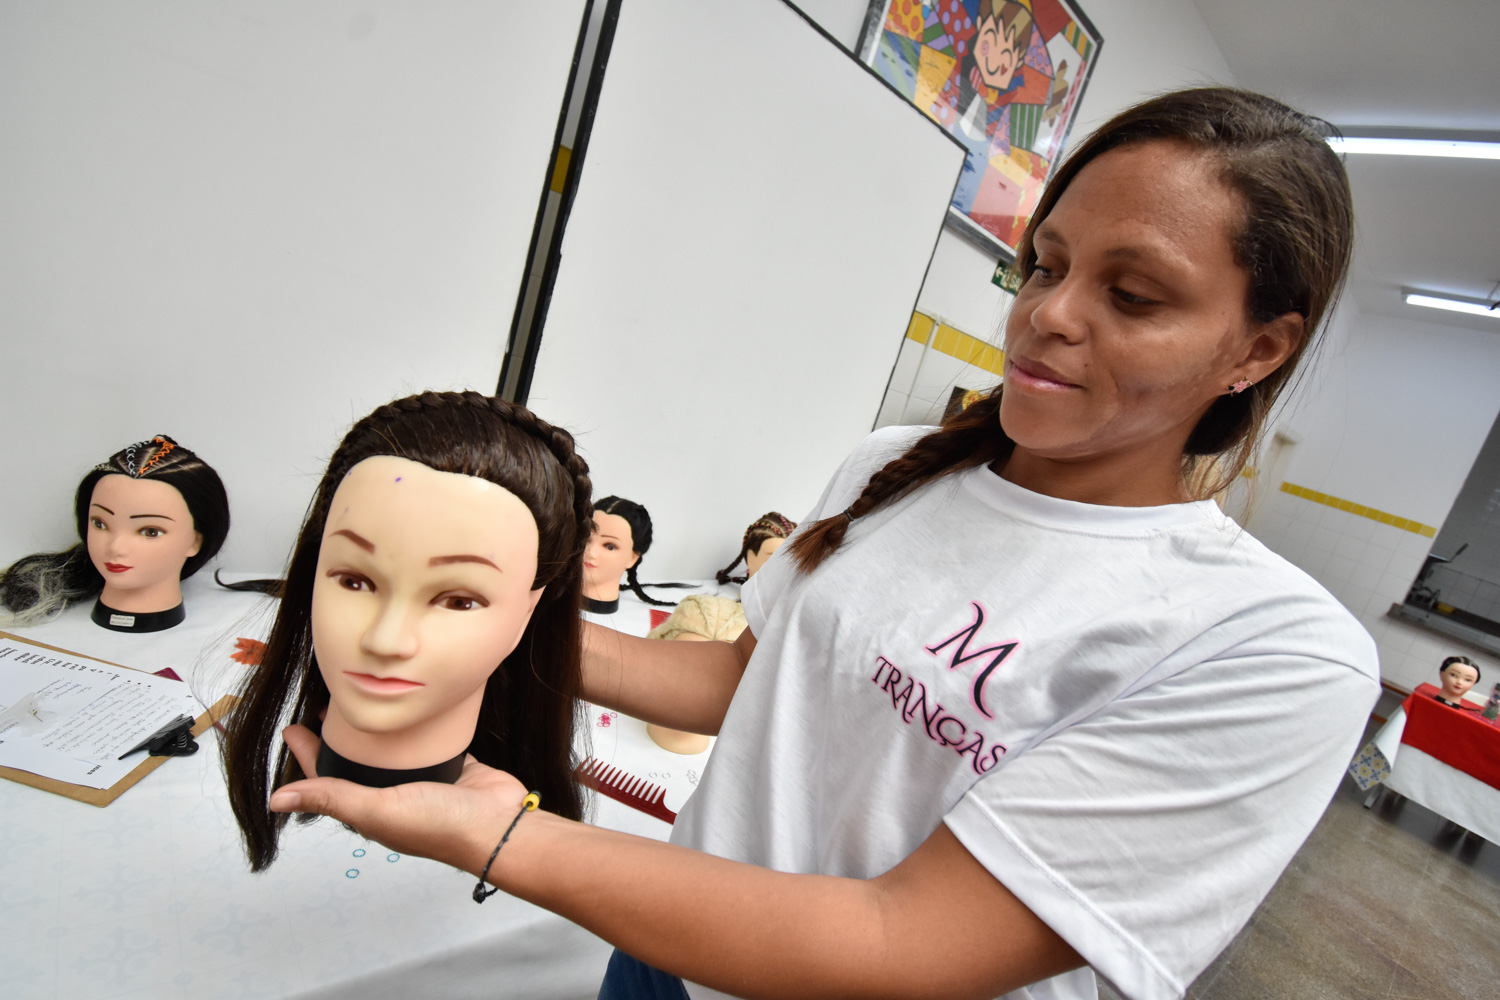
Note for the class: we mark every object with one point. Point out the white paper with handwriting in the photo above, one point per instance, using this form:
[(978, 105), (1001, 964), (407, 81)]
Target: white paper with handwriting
[(70, 717)]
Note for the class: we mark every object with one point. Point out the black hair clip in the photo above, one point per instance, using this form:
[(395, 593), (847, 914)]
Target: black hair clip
[(175, 739)]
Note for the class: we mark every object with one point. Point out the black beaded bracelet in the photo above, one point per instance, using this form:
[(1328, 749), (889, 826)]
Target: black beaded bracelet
[(532, 800)]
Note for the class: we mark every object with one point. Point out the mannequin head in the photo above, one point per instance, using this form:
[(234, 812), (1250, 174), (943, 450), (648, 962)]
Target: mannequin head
[(154, 508), (614, 517), (431, 602), (1459, 674), (764, 536), (610, 553)]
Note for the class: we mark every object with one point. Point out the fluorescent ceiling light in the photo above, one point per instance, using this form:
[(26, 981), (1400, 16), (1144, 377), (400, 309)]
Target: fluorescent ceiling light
[(1416, 147), (1474, 307)]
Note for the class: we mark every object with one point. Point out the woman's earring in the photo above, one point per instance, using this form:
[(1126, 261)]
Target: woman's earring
[(1240, 386)]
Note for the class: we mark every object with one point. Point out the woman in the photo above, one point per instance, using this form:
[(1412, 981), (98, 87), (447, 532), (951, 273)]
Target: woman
[(1020, 701)]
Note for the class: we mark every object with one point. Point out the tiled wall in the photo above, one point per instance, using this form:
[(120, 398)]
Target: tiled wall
[(1368, 563), (935, 357)]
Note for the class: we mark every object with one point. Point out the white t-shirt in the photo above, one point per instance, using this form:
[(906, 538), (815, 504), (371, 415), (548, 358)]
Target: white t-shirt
[(1132, 717)]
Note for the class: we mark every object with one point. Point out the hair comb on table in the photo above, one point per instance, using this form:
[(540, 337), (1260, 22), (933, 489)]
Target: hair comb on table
[(625, 787)]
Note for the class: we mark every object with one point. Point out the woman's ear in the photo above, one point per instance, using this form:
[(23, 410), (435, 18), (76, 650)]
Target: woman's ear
[(1270, 345)]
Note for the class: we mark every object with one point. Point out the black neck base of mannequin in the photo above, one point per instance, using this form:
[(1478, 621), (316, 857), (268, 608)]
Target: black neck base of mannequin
[(136, 621), (601, 607), (332, 765)]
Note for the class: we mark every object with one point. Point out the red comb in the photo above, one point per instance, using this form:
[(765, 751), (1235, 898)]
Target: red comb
[(625, 787)]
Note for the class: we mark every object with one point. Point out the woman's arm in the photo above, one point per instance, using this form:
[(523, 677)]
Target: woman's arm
[(936, 925), (681, 685)]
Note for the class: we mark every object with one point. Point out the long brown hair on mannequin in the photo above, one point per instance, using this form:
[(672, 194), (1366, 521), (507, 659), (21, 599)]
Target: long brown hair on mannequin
[(526, 722), (1295, 245)]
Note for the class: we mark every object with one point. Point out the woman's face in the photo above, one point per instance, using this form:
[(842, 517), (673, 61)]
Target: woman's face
[(755, 560), (1458, 678), (423, 586), (1134, 320), (610, 552), (139, 534)]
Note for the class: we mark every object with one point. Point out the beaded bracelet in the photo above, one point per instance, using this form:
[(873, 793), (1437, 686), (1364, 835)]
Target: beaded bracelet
[(532, 800)]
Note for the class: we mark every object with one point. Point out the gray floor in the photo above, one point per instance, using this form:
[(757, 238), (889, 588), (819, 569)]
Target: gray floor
[(1391, 902)]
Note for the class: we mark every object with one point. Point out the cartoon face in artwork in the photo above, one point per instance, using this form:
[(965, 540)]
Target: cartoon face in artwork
[(423, 587), (1001, 44), (140, 532)]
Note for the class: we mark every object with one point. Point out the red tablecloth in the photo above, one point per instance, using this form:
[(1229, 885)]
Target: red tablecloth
[(1457, 737)]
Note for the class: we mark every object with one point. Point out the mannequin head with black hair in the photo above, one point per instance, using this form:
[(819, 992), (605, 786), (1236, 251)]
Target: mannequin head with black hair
[(148, 517), (430, 610), (621, 536)]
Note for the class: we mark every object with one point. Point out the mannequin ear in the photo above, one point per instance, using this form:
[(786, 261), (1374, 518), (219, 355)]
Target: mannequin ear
[(633, 561), (533, 598), (1269, 346), (197, 544)]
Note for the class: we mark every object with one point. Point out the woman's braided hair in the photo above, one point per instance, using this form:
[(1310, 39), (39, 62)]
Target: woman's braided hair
[(527, 717), (1295, 244)]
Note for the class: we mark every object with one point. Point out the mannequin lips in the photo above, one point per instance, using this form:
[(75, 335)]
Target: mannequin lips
[(116, 567), (383, 685)]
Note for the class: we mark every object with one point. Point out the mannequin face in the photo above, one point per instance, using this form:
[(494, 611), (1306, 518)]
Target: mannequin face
[(755, 560), (610, 552), (423, 587), (1458, 678), (140, 532)]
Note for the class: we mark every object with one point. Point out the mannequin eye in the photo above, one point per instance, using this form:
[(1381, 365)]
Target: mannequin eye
[(611, 546), (352, 581), (461, 602), (151, 531), (96, 524)]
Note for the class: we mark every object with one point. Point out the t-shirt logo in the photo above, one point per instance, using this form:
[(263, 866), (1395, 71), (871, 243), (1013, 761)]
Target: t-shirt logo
[(992, 656)]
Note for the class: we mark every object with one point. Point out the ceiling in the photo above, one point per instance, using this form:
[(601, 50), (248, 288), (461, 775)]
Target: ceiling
[(1410, 64)]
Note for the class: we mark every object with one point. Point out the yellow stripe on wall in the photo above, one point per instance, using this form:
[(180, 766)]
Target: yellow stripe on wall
[(1404, 523), (955, 343), (560, 172)]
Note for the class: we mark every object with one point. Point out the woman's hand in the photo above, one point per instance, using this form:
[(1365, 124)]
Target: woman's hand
[(456, 824)]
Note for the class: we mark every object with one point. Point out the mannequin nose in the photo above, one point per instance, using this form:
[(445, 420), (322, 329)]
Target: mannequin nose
[(393, 633)]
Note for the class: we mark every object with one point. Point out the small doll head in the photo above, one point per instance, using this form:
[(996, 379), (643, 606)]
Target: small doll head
[(622, 534), (764, 536), (404, 484), (1459, 674)]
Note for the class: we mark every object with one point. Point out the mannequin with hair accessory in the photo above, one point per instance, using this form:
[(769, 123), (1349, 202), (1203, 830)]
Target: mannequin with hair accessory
[(711, 618), (1459, 674), (429, 612), (148, 517)]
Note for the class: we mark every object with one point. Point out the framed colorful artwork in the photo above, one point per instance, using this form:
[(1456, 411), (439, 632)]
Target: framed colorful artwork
[(1005, 78)]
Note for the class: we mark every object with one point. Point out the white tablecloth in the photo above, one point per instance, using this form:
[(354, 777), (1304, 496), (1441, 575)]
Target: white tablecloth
[(151, 897), (1445, 790)]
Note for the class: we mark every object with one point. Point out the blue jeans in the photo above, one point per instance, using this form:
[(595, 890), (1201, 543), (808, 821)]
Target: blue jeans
[(627, 978)]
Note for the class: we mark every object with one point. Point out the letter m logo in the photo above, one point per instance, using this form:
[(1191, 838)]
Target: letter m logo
[(991, 656)]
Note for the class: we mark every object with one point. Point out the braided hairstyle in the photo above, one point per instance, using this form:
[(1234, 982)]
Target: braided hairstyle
[(1295, 244), (526, 719), (761, 530), (639, 520), (37, 587)]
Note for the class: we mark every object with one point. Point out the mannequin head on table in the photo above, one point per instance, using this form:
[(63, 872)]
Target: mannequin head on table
[(430, 607), (1458, 674), (621, 536), (761, 540), (148, 517)]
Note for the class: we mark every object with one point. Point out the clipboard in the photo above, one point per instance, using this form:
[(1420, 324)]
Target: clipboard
[(102, 797)]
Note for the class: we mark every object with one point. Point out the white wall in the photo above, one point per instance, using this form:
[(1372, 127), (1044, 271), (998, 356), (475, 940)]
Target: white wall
[(245, 224), (739, 267), (1392, 418)]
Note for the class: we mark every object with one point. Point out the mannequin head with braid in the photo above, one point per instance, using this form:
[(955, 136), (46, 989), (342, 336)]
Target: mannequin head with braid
[(621, 536), (430, 607)]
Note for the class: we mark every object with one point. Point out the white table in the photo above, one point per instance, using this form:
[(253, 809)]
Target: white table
[(151, 897), (1447, 791)]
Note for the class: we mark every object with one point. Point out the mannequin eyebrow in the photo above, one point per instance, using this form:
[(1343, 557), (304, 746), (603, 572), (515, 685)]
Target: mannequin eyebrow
[(447, 560), (103, 508), (162, 516), (363, 543)]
